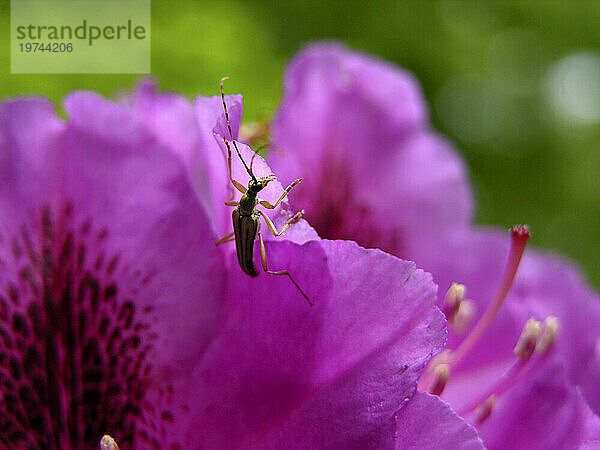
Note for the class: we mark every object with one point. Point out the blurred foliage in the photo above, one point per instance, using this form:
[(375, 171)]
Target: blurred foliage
[(515, 85)]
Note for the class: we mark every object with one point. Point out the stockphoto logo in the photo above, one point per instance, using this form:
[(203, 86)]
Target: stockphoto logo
[(83, 36), (84, 32)]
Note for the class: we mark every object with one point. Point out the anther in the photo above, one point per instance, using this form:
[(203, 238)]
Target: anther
[(548, 333), (484, 411), (441, 375), (453, 299), (535, 337), (108, 443), (528, 339), (463, 317)]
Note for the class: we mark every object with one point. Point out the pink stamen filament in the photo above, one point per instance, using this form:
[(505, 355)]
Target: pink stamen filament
[(519, 236), (520, 370)]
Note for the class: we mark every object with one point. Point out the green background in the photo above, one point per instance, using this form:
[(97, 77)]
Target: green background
[(493, 74)]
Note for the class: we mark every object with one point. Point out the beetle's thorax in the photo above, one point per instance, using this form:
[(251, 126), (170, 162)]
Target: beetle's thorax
[(247, 203)]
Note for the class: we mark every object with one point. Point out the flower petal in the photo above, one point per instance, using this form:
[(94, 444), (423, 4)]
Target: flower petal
[(29, 134), (356, 129), (331, 375), (544, 413), (211, 161), (591, 434), (547, 285), (117, 174), (428, 422), (190, 130), (109, 272), (169, 116), (477, 259)]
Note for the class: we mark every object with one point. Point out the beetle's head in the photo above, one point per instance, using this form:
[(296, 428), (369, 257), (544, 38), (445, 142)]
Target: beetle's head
[(258, 184), (255, 186)]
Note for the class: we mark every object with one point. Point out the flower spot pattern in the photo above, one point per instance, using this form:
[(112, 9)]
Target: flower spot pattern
[(73, 347)]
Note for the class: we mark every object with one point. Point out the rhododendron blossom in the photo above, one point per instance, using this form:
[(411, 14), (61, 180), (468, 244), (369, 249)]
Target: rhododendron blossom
[(120, 317), (522, 359)]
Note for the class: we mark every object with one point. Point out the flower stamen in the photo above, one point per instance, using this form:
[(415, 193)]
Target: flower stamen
[(528, 339), (484, 411), (550, 329), (108, 443), (458, 310), (526, 365), (454, 297), (519, 236), (441, 375), (464, 316)]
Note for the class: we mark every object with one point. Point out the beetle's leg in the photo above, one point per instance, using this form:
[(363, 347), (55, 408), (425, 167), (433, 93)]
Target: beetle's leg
[(263, 259), (230, 201), (239, 186), (267, 205), (271, 225), (228, 237)]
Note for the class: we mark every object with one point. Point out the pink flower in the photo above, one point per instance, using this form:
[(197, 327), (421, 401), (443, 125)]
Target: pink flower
[(110, 291), (118, 315), (357, 127), (543, 394), (303, 377)]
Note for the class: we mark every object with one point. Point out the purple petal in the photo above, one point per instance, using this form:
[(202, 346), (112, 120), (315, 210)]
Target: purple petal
[(591, 433), (29, 133), (477, 260), (111, 284), (590, 445), (544, 413), (355, 128), (428, 422), (427, 183), (212, 162), (329, 376), (547, 285), (120, 177), (195, 134), (170, 117), (189, 131), (544, 286)]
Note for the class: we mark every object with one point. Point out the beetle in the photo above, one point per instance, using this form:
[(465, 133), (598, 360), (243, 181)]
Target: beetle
[(246, 215)]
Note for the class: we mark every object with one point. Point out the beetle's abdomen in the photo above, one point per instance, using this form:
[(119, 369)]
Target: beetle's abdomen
[(245, 228)]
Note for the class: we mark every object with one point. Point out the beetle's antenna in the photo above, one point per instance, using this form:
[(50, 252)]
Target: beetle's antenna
[(252, 160), (256, 153), (231, 134)]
